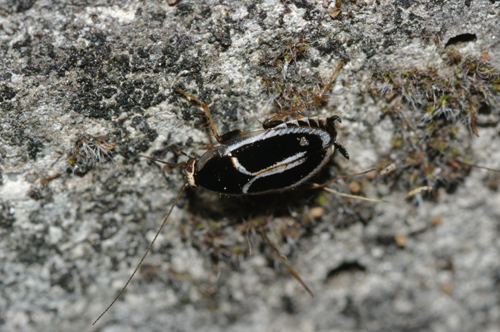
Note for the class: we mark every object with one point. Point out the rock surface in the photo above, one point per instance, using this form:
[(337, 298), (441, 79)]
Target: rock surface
[(85, 89)]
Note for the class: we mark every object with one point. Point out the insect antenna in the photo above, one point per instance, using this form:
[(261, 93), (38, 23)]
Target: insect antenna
[(147, 250), (164, 162), (176, 149)]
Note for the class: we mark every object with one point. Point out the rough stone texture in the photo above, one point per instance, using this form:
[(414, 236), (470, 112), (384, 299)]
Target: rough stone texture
[(66, 248)]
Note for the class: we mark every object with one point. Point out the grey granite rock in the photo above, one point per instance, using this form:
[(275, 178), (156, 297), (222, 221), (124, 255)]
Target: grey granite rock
[(85, 88)]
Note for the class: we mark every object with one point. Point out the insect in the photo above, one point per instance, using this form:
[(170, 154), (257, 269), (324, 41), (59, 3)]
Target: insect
[(280, 157), (275, 159)]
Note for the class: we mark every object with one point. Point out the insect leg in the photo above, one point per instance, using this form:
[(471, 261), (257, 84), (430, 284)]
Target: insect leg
[(216, 246), (315, 185), (206, 111), (316, 98), (282, 259), (341, 149)]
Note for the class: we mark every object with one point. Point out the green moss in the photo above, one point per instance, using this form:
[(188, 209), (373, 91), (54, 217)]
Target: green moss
[(280, 76), (320, 200), (427, 109)]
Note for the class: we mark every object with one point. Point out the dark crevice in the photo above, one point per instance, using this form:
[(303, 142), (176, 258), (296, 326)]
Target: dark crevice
[(349, 267), (463, 38)]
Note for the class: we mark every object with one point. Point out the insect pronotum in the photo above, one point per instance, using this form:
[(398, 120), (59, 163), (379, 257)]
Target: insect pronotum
[(282, 156)]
